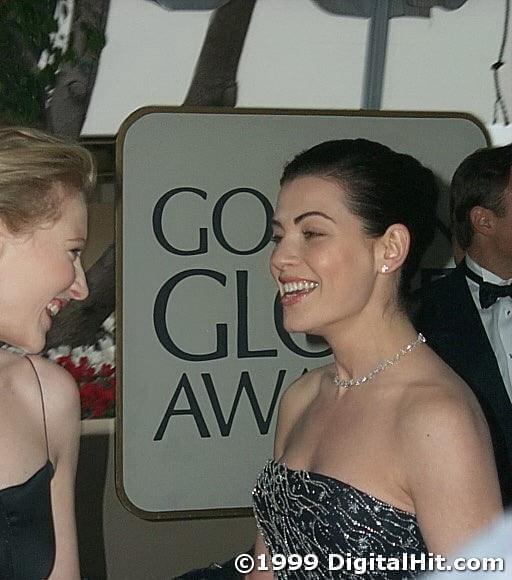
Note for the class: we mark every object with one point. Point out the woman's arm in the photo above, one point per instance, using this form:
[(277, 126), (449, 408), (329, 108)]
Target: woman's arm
[(62, 406), (450, 470), (259, 549), (291, 406), (282, 428)]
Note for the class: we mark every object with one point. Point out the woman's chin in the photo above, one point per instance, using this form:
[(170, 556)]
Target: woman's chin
[(28, 345), (36, 346), (295, 327), (295, 324)]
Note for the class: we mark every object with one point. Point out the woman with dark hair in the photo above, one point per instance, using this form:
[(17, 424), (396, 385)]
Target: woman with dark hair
[(385, 452), (43, 229)]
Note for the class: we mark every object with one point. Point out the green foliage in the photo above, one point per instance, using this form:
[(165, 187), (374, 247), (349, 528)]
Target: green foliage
[(25, 29), (94, 41), (28, 29)]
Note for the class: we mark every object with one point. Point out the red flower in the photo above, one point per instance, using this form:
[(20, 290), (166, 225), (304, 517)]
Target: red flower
[(97, 386), (107, 370), (97, 401), (85, 369), (69, 365)]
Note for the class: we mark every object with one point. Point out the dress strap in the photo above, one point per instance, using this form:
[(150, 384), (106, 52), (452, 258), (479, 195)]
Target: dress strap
[(42, 407)]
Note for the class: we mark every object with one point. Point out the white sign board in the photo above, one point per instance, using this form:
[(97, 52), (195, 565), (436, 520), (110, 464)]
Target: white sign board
[(204, 357)]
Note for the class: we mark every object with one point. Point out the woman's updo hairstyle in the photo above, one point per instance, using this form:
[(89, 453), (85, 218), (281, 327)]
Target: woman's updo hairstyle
[(32, 163), (382, 188)]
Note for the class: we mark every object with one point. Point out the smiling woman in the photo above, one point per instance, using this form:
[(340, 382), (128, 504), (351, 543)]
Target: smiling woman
[(49, 254), (385, 453), (43, 229)]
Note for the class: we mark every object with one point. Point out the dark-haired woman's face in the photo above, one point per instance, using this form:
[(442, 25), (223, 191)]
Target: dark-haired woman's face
[(323, 262)]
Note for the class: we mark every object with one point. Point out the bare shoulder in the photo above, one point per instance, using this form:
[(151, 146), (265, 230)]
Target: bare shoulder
[(303, 390), (17, 370), (441, 411), (59, 390), (61, 396), (294, 401), (62, 410), (446, 455)]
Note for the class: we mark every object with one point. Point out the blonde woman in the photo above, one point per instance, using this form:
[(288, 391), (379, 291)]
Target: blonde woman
[(43, 229)]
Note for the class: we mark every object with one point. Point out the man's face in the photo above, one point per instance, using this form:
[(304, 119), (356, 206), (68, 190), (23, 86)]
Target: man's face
[(502, 237)]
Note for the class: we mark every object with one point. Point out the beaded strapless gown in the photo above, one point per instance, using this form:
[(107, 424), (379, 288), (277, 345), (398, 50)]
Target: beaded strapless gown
[(302, 512)]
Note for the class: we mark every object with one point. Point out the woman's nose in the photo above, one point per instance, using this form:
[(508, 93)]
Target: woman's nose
[(79, 289), (284, 255)]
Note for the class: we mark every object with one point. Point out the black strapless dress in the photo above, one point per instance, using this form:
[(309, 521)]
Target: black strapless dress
[(27, 539), (303, 512)]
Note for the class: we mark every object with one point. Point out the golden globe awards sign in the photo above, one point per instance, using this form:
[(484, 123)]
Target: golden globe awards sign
[(204, 356)]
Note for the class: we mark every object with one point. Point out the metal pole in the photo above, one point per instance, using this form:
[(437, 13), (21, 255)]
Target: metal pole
[(376, 55)]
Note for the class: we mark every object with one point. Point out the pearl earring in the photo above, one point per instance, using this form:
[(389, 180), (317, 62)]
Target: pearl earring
[(384, 269)]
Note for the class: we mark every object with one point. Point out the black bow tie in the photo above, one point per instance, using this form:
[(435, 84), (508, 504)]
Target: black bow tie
[(488, 293)]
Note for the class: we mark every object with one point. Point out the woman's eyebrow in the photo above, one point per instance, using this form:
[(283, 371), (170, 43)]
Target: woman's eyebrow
[(303, 216), (311, 213)]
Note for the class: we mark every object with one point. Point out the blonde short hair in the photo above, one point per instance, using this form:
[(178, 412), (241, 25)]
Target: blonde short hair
[(32, 163)]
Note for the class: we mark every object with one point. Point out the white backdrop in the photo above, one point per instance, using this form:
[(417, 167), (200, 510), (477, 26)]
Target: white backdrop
[(299, 56)]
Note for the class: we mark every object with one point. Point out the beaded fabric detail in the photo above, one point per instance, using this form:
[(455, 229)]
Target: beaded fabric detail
[(347, 383), (302, 512)]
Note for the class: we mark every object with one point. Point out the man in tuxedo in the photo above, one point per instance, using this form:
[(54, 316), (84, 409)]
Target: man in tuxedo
[(467, 315)]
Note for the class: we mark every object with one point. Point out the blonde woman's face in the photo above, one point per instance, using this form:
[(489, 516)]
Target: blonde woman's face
[(40, 273)]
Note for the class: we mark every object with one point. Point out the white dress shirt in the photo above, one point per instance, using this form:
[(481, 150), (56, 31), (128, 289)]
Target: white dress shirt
[(497, 321)]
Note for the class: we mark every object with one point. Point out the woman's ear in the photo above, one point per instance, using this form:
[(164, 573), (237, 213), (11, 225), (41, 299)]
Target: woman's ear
[(393, 248), (6, 236)]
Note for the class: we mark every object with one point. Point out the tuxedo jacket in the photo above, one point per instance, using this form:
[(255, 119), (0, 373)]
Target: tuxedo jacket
[(450, 321)]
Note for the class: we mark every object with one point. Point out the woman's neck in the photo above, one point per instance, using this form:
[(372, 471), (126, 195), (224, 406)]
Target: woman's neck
[(360, 345)]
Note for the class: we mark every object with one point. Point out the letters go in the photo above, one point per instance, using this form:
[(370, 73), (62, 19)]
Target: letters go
[(202, 247)]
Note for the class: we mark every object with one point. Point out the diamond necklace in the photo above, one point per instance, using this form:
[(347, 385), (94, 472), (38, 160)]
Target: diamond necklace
[(384, 364)]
